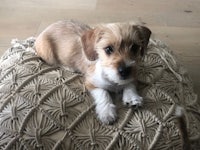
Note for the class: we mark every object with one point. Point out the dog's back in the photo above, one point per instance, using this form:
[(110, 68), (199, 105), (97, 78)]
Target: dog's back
[(61, 41)]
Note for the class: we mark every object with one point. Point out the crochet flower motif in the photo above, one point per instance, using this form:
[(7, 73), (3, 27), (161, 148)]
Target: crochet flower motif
[(150, 68), (159, 101), (170, 139), (38, 132), (13, 114), (36, 89), (124, 143), (169, 83), (35, 66), (61, 105), (5, 139), (142, 127), (91, 135), (13, 79)]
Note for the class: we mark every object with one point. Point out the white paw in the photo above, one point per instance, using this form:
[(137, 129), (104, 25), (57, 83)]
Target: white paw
[(106, 114), (134, 100)]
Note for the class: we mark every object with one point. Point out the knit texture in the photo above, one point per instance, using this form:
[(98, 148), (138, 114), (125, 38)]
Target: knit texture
[(48, 108)]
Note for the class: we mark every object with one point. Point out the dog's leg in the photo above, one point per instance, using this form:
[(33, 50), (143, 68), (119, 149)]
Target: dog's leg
[(131, 97), (105, 109)]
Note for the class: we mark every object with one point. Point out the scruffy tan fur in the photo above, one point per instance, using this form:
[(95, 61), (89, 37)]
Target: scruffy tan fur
[(60, 42), (106, 55)]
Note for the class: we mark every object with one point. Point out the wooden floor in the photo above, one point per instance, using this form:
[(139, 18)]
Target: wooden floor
[(176, 22)]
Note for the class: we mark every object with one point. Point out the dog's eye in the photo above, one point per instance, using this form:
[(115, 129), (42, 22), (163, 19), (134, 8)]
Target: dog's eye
[(135, 48), (108, 50)]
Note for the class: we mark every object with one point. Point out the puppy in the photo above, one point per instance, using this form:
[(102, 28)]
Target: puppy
[(107, 56)]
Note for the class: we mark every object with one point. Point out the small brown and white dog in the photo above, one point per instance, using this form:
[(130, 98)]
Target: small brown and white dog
[(106, 55)]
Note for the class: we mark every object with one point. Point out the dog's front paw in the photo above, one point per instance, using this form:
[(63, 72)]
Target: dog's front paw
[(135, 101), (107, 113)]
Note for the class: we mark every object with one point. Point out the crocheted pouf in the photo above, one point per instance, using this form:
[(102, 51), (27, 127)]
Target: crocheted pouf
[(47, 108)]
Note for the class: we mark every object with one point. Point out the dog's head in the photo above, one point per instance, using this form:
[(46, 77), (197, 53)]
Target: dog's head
[(117, 48)]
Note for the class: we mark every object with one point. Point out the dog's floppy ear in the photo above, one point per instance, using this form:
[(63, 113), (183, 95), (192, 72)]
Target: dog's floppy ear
[(88, 41), (145, 34)]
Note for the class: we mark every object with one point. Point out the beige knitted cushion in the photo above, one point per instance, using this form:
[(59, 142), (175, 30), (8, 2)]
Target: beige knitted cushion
[(47, 108)]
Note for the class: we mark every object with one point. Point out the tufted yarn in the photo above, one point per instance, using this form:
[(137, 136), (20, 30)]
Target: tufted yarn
[(48, 108)]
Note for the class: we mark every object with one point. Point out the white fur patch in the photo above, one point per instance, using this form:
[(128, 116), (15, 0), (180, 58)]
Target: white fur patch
[(108, 78), (131, 97), (98, 80), (112, 76), (105, 109)]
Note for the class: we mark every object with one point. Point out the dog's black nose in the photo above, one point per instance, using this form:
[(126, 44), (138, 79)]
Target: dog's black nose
[(124, 72)]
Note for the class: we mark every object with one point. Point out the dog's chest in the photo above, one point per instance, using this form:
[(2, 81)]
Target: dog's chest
[(101, 82)]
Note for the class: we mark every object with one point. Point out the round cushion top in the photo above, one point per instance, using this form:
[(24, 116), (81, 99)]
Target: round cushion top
[(48, 108)]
